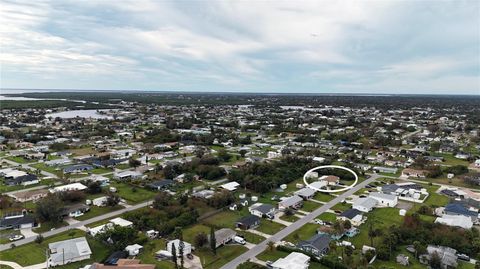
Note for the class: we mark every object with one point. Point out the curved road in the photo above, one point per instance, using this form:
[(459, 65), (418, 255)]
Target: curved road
[(259, 248)]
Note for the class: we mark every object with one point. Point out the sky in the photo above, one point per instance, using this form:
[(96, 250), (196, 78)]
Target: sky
[(390, 47)]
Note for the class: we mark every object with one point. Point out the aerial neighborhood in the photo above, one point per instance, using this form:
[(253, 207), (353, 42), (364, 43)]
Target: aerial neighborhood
[(217, 183)]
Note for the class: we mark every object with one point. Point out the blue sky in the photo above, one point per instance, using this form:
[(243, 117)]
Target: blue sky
[(430, 47)]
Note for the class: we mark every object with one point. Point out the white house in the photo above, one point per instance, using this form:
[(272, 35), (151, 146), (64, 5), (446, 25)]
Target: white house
[(127, 175), (456, 221), (68, 251), (364, 204), (294, 260), (100, 201), (384, 200), (230, 186), (294, 202), (187, 248), (134, 249), (70, 187)]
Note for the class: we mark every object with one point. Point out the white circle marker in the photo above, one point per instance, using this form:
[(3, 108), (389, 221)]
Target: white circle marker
[(330, 166)]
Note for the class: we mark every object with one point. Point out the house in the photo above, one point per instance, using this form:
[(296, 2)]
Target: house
[(100, 201), (331, 180), (381, 169), (353, 215), (24, 180), (68, 251), (78, 168), (134, 250), (305, 193), (187, 248), (383, 199), (75, 210), (69, 187), (121, 222), (409, 172), (318, 245), (402, 259), (364, 204), (25, 196), (461, 221), (124, 175), (57, 162), (460, 209), (19, 221), (122, 264), (262, 210), (114, 258), (104, 181), (160, 185), (9, 173), (223, 236), (248, 222), (230, 186), (294, 202), (477, 163), (294, 260), (448, 256), (407, 191)]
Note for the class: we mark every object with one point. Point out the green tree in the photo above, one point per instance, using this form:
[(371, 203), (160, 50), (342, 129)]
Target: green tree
[(50, 209)]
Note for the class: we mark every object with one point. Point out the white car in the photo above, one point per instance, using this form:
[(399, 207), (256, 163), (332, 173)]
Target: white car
[(16, 237), (319, 221)]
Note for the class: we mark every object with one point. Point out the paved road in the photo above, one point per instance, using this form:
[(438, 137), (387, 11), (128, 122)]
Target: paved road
[(253, 252), (78, 224)]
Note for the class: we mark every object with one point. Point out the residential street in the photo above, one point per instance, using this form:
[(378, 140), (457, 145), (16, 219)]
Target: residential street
[(259, 248), (78, 224)]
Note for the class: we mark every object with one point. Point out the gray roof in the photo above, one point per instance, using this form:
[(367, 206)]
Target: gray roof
[(293, 200), (305, 192), (69, 249), (318, 241), (264, 208)]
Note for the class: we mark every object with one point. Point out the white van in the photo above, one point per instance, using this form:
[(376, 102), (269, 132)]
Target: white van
[(239, 240)]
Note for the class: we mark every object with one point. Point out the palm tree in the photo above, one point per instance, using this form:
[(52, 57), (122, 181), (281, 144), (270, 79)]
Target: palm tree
[(271, 245)]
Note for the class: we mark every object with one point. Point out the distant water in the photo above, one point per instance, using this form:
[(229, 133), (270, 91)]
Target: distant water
[(88, 113)]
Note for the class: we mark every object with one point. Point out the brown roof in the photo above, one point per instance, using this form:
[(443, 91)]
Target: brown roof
[(332, 178), (26, 194)]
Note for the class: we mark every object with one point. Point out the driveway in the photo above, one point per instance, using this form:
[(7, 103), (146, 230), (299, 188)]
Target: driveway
[(195, 263), (28, 232)]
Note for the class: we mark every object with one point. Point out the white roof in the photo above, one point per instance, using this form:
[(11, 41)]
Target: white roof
[(15, 173), (294, 260), (70, 187), (365, 202), (98, 229), (456, 221), (133, 247), (231, 186), (317, 184), (121, 222), (128, 174)]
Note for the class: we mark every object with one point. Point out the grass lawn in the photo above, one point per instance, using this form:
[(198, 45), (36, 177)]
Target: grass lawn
[(5, 234), (224, 219), (101, 170), (250, 237), (381, 218), (305, 232), (291, 218), (341, 206), (327, 216), (450, 159), (224, 255), (132, 194), (310, 206), (97, 211), (47, 226), (18, 159), (34, 253), (323, 197), (50, 169), (82, 151), (435, 199), (190, 233), (269, 227), (200, 206), (148, 254)]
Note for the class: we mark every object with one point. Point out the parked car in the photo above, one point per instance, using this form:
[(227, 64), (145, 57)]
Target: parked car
[(269, 264), (319, 221), (463, 257), (239, 240), (16, 237), (190, 256)]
